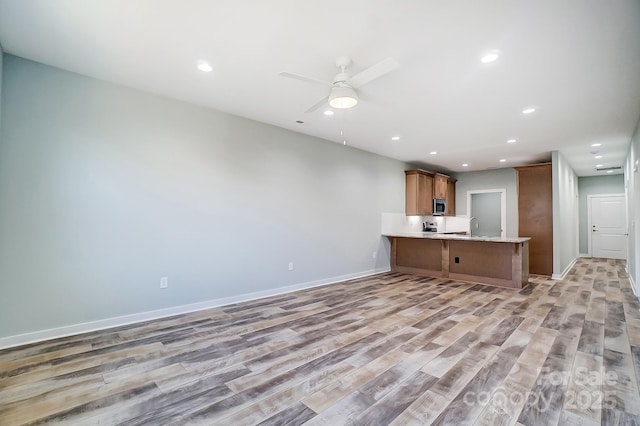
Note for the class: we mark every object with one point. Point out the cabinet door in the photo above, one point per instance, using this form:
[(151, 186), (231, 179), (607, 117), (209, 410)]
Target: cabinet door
[(451, 198), (418, 193), (425, 183), (440, 190)]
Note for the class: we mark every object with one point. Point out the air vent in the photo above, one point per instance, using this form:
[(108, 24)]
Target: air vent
[(606, 169)]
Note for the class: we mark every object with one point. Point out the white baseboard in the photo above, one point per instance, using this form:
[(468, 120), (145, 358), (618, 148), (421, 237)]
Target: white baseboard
[(584, 255), (69, 330), (633, 283), (565, 272)]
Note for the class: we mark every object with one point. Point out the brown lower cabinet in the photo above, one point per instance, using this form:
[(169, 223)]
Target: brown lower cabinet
[(504, 264), (535, 215)]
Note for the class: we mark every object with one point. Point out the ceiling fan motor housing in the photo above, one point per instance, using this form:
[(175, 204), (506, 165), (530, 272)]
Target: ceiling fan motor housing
[(341, 77)]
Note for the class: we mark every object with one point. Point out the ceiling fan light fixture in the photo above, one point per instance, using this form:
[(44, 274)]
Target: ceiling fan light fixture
[(343, 97)]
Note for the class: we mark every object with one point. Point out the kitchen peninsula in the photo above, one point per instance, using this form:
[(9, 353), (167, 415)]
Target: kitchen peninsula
[(496, 261)]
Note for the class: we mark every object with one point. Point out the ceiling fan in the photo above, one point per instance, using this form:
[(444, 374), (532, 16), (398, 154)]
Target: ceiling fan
[(342, 89)]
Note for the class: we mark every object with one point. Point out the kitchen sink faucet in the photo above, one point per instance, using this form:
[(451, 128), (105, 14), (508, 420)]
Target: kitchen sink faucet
[(471, 225)]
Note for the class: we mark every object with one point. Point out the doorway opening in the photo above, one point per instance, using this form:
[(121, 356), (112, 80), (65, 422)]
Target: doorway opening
[(487, 212)]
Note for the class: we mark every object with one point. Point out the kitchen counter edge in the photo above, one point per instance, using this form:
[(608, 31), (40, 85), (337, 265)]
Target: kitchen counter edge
[(435, 236)]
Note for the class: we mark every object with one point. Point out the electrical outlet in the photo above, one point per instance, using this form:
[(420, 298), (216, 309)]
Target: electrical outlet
[(164, 282), (375, 254), (291, 266)]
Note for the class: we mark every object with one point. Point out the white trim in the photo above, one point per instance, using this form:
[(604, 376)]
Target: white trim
[(503, 206), (633, 284), (590, 198), (565, 272), (69, 330), (584, 255)]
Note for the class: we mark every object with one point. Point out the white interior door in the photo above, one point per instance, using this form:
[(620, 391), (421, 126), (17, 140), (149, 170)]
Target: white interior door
[(608, 227)]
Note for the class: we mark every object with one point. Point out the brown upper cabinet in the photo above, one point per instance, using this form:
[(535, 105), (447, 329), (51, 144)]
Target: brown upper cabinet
[(422, 187), (418, 193), (451, 197), (440, 186)]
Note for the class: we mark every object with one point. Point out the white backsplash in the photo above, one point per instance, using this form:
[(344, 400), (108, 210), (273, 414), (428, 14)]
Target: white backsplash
[(456, 224), (400, 223)]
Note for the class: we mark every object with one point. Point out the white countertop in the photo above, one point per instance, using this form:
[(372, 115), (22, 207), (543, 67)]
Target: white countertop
[(435, 236)]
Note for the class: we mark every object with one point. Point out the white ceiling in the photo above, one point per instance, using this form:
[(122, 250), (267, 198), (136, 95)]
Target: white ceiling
[(577, 61)]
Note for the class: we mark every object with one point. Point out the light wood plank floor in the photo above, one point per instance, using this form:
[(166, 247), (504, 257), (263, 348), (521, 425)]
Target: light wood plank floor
[(388, 349)]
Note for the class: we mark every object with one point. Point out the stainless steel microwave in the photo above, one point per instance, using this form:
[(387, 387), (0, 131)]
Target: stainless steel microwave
[(439, 206)]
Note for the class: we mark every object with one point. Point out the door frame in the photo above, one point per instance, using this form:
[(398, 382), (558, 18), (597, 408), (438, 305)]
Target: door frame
[(503, 206), (590, 225)]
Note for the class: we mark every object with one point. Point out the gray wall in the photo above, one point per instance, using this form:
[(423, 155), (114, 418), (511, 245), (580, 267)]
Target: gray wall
[(105, 189), (593, 185), (632, 186), (486, 208), (565, 213), (1, 60), (490, 179)]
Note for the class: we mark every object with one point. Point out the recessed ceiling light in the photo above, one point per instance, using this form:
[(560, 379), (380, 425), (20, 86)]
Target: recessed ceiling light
[(503, 160), (204, 66), (599, 165), (395, 138), (465, 165), (511, 141), (596, 144), (598, 156), (433, 152), (328, 112), (344, 142), (530, 110), (490, 57)]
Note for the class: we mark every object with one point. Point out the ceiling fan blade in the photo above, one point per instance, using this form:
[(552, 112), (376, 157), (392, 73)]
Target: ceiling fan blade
[(317, 105), (305, 79), (373, 72)]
